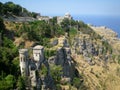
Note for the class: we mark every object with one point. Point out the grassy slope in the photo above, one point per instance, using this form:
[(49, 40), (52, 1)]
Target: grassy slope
[(17, 40), (99, 76)]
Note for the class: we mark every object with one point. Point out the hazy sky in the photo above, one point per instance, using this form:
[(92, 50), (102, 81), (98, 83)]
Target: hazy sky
[(75, 7)]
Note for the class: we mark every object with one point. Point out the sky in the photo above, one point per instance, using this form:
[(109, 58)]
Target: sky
[(74, 7)]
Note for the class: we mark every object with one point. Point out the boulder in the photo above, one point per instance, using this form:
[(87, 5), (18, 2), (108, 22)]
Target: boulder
[(54, 42), (51, 60), (60, 56), (88, 59), (85, 53)]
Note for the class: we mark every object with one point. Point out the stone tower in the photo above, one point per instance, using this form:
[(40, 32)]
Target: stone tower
[(23, 55), (38, 55)]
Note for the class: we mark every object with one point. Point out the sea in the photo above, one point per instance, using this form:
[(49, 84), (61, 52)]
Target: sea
[(112, 22)]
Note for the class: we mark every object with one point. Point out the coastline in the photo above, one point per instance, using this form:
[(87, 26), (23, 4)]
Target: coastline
[(112, 22), (108, 34), (103, 30)]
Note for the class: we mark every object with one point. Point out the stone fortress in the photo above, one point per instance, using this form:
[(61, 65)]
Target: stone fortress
[(30, 67)]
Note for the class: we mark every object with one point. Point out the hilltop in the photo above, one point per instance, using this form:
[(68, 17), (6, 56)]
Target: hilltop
[(9, 9)]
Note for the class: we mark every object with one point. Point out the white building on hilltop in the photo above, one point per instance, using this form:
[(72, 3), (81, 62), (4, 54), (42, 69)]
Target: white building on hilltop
[(61, 18)]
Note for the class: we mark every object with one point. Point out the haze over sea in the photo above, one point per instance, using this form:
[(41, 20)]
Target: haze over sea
[(112, 22)]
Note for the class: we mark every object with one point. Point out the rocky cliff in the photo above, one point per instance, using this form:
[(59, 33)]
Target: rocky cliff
[(109, 35), (92, 57), (88, 59), (96, 61)]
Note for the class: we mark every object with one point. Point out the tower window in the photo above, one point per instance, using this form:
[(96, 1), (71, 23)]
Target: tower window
[(23, 69), (24, 59), (21, 59)]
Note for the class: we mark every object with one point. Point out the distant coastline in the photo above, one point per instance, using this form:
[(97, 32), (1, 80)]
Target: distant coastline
[(111, 22)]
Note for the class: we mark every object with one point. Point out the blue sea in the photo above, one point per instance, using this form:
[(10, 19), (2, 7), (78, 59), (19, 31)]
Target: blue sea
[(112, 22)]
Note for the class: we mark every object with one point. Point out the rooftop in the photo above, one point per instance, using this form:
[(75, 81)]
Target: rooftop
[(38, 47)]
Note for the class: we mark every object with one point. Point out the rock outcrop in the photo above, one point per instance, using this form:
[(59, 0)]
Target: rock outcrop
[(63, 58)]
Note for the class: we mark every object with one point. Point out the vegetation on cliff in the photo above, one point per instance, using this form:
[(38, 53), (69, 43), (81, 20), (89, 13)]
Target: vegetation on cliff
[(17, 35), (8, 62)]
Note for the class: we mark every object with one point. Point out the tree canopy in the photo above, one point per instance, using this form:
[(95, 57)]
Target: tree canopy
[(9, 8)]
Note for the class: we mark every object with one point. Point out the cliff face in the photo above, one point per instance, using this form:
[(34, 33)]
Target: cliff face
[(63, 58), (87, 58), (91, 55), (97, 64), (109, 35), (93, 58)]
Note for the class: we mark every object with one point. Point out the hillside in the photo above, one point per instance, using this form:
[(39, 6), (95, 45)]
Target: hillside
[(73, 55), (93, 54), (9, 9), (100, 72), (109, 35)]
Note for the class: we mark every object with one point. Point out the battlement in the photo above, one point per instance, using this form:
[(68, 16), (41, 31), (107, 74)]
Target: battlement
[(38, 47)]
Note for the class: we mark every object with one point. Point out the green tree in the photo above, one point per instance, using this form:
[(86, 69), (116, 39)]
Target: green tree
[(7, 83), (43, 70), (1, 7), (21, 83), (10, 81), (79, 83), (65, 24), (76, 82), (2, 26), (15, 66), (56, 72)]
